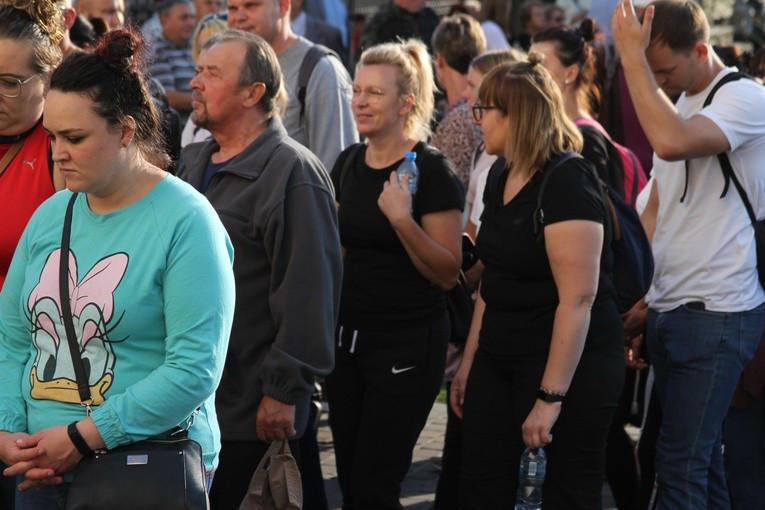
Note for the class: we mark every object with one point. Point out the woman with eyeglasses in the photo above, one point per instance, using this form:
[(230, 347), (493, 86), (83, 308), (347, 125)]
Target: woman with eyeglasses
[(402, 251), (29, 52), (543, 365)]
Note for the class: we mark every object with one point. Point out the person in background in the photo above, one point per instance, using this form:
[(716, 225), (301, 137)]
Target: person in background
[(323, 121), (533, 21), (481, 160), (457, 40), (543, 365), (400, 20), (315, 30), (29, 52), (275, 199), (171, 63), (204, 31), (495, 36), (555, 17), (155, 344), (402, 251), (110, 12)]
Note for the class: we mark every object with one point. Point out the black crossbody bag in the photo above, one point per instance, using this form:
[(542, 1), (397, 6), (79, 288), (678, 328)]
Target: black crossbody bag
[(166, 473)]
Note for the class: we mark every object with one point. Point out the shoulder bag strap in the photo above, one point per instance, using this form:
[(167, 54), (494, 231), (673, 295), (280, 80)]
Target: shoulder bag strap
[(66, 309), (539, 214), (12, 151)]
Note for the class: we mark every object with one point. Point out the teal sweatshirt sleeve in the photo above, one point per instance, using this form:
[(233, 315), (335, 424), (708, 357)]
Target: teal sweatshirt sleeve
[(198, 288)]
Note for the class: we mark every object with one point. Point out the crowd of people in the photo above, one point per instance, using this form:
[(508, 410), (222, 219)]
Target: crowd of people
[(239, 231)]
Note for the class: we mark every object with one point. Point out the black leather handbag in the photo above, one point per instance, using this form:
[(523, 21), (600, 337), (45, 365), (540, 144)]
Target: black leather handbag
[(166, 474)]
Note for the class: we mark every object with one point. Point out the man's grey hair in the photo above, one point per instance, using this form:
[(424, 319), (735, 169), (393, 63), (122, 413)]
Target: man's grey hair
[(260, 66)]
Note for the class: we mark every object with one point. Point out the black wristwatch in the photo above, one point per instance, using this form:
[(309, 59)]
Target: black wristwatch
[(78, 440), (548, 396)]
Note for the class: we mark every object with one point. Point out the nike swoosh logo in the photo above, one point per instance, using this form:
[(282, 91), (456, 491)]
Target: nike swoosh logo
[(395, 370)]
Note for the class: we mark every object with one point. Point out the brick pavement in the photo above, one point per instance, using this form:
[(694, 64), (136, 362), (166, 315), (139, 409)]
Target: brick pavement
[(419, 486)]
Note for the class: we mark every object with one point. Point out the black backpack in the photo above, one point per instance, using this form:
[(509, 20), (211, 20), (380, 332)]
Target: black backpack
[(633, 258)]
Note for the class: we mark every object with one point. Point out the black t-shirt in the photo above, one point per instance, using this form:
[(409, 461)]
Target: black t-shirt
[(382, 289), (517, 284)]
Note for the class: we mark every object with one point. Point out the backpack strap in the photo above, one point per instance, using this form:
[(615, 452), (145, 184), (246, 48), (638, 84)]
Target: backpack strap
[(312, 57), (539, 214), (726, 167)]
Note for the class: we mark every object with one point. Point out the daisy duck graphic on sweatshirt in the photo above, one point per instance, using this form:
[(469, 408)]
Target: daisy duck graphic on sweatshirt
[(92, 303)]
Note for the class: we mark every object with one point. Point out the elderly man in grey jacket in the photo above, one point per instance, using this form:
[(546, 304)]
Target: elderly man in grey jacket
[(276, 202)]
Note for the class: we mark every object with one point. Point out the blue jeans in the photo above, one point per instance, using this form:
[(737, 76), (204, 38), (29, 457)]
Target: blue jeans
[(745, 454), (54, 497), (698, 356)]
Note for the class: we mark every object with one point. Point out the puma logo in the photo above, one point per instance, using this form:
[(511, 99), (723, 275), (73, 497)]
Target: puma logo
[(396, 371), (30, 163)]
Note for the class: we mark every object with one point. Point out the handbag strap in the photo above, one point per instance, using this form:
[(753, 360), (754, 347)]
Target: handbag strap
[(8, 157), (66, 309)]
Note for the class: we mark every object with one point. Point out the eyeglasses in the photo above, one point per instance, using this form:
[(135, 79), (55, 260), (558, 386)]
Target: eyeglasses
[(373, 95), (478, 111), (10, 86)]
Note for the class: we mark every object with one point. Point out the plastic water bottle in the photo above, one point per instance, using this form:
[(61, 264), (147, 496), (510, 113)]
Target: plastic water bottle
[(409, 169), (531, 477)]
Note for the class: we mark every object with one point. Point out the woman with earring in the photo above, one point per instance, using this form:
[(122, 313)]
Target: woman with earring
[(150, 284), (543, 362), (402, 251)]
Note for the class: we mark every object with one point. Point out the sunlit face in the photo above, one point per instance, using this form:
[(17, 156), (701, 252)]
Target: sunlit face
[(553, 64), (112, 12), (205, 7), (178, 24), (675, 72), (86, 148), (538, 21), (377, 103), (215, 88), (474, 79), (495, 125), (19, 114), (259, 17)]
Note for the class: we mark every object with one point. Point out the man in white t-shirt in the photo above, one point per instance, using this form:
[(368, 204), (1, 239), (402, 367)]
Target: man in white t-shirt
[(706, 303)]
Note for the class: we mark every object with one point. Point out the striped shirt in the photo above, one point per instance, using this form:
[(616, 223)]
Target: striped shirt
[(172, 65)]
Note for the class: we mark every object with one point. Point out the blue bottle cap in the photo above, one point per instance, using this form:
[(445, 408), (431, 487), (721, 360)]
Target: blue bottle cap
[(410, 156)]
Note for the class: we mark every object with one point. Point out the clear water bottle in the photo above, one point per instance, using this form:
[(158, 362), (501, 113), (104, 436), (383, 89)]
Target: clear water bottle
[(531, 477), (409, 168)]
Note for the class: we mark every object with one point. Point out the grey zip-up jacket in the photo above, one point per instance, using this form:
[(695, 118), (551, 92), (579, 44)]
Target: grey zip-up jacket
[(277, 204)]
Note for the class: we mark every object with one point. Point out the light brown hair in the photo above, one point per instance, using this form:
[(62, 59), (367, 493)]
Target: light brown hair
[(538, 125)]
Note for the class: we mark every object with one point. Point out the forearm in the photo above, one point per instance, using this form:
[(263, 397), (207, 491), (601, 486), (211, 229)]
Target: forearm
[(572, 321), (434, 262)]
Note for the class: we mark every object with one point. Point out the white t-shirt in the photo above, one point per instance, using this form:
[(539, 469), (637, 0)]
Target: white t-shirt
[(478, 175), (704, 247)]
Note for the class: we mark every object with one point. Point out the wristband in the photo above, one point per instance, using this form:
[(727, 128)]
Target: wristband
[(77, 439), (549, 396)]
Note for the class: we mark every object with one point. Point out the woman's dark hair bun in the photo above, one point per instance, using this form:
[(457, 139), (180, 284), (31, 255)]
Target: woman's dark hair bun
[(587, 29), (122, 49)]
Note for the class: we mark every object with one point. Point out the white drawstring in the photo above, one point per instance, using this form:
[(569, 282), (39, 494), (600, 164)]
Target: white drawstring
[(340, 337), (353, 341)]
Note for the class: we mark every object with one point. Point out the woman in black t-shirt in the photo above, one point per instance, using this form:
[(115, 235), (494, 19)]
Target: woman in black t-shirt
[(544, 356), (402, 251)]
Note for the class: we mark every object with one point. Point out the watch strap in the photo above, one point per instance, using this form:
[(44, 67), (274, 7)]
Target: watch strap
[(78, 440)]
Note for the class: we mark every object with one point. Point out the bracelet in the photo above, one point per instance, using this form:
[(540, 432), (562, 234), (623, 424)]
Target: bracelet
[(550, 396), (77, 439)]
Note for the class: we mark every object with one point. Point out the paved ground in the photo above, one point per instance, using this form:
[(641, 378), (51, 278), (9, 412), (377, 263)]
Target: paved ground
[(420, 484)]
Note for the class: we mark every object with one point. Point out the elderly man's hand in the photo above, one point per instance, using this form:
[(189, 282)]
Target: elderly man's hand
[(275, 420)]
